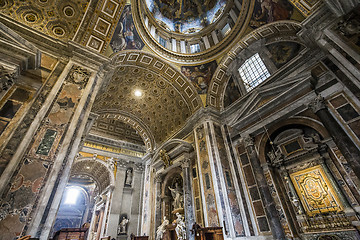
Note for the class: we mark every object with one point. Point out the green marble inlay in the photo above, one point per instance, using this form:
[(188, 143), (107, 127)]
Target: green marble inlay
[(47, 142)]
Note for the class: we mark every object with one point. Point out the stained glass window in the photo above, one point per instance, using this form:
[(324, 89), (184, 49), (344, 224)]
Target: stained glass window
[(253, 72)]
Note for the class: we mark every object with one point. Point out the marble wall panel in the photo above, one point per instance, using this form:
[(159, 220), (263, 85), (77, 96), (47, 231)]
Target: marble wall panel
[(252, 190), (210, 208), (218, 181), (197, 195), (230, 189), (279, 207), (32, 172), (11, 146)]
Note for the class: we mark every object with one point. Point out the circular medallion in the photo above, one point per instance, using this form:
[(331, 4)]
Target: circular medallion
[(58, 31), (31, 17), (69, 11), (3, 3)]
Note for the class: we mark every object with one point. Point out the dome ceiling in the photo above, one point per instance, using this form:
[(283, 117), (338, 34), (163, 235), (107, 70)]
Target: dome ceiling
[(167, 99), (186, 16)]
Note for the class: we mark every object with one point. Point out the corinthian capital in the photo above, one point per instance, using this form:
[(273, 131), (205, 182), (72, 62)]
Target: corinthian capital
[(248, 141), (317, 104), (185, 163), (158, 178)]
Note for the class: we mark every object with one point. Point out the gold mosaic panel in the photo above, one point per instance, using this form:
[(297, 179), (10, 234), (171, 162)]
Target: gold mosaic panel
[(316, 193)]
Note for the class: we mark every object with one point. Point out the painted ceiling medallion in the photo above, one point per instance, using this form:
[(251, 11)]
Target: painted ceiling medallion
[(185, 16)]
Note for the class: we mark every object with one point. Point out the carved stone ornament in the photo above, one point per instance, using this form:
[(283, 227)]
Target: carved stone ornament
[(317, 104), (248, 141), (165, 158), (6, 79), (158, 178), (185, 163), (79, 75)]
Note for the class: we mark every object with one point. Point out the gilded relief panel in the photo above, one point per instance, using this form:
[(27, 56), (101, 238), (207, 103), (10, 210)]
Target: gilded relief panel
[(316, 193), (210, 200)]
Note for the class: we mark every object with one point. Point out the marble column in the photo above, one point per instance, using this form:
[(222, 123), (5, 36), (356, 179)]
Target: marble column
[(188, 199), (158, 180), (269, 205), (342, 140)]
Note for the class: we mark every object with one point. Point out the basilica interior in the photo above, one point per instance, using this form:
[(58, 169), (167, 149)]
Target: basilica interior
[(179, 119)]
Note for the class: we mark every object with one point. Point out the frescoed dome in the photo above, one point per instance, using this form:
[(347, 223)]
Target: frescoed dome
[(186, 16)]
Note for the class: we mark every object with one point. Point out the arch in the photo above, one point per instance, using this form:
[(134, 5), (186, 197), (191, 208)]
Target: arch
[(96, 169), (305, 121), (170, 145), (277, 31), (133, 121)]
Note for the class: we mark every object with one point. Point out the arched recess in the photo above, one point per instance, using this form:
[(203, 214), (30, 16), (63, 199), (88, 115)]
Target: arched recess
[(305, 121), (133, 121), (95, 168), (274, 32)]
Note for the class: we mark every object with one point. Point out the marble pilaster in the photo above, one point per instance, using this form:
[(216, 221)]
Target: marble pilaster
[(269, 205), (188, 199), (158, 183), (342, 140)]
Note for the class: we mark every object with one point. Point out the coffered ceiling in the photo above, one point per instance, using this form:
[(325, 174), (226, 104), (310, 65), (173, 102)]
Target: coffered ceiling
[(167, 100), (116, 129), (57, 18)]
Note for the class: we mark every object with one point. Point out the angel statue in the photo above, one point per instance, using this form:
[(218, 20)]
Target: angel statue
[(161, 229), (177, 195), (180, 227)]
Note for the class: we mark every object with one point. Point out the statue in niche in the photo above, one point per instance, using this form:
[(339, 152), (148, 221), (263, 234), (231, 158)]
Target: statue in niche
[(122, 226), (180, 227), (177, 195), (128, 177), (161, 229)]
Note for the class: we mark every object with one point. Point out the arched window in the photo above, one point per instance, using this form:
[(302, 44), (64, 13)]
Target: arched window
[(253, 72)]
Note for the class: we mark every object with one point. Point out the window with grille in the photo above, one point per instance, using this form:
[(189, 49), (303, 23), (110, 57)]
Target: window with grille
[(226, 29), (194, 48), (162, 41), (253, 72)]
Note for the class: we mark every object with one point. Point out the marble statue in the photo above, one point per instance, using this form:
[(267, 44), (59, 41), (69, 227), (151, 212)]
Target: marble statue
[(111, 163), (180, 227), (122, 226), (165, 158), (129, 176), (161, 229), (177, 195)]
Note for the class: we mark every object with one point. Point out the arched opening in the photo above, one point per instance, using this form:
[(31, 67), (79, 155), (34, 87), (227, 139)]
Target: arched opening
[(85, 198), (76, 204)]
